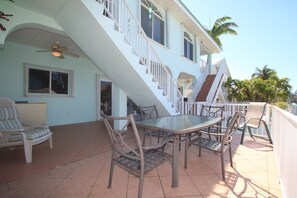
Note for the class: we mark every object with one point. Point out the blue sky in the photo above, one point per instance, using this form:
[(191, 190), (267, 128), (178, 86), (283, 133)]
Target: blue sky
[(267, 34)]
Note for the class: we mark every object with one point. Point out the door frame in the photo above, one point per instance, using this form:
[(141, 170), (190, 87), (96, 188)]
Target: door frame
[(100, 78)]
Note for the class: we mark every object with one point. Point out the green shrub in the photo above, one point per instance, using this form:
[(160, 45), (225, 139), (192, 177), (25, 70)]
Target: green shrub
[(282, 105)]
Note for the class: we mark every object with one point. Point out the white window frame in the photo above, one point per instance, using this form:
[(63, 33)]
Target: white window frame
[(70, 74), (192, 41), (162, 18)]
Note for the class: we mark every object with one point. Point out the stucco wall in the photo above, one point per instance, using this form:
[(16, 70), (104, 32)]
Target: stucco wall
[(61, 110)]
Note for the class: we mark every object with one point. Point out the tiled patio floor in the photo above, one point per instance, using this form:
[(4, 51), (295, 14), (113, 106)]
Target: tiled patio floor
[(78, 166)]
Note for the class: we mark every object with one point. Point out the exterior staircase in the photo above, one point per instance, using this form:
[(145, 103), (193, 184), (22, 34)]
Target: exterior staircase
[(121, 50), (202, 95)]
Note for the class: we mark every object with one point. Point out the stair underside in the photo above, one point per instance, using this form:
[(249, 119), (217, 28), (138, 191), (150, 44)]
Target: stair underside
[(205, 88)]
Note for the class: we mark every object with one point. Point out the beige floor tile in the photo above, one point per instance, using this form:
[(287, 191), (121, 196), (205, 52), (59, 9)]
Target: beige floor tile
[(165, 169), (210, 184), (151, 188), (186, 187), (198, 168), (37, 188), (74, 188), (117, 172), (117, 190)]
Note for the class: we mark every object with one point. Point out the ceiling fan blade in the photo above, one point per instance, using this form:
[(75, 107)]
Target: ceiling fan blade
[(71, 54), (43, 51), (61, 57)]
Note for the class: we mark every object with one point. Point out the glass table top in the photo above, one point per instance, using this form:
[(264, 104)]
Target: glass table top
[(179, 123)]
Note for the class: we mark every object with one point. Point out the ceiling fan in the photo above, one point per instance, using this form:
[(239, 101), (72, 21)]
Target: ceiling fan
[(58, 50)]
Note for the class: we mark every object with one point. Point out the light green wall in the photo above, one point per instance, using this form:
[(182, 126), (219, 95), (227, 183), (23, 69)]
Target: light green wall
[(61, 110)]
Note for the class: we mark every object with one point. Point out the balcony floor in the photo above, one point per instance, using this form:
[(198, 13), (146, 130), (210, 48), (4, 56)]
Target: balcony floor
[(78, 166)]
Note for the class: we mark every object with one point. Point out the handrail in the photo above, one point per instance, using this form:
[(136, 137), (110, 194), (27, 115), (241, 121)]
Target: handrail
[(211, 97), (127, 23)]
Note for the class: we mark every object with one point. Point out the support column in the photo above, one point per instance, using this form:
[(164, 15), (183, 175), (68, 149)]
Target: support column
[(119, 105)]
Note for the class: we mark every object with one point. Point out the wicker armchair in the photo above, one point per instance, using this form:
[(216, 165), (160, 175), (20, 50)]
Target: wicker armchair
[(128, 153)]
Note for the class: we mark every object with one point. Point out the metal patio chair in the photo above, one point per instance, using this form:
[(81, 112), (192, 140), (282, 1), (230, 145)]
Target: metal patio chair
[(128, 151), (253, 119), (216, 111), (216, 145), (14, 133), (151, 112)]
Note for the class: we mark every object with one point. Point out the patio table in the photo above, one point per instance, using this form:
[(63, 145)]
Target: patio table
[(178, 125)]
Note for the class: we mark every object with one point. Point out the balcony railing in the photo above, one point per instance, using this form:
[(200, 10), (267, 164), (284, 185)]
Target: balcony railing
[(283, 128), (127, 23)]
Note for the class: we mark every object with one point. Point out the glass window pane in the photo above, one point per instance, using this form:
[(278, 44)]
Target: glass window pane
[(59, 83), (191, 51), (106, 97), (185, 48), (146, 21), (38, 81), (158, 30)]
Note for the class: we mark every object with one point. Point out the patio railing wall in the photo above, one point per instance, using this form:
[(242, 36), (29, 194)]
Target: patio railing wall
[(230, 109), (284, 128)]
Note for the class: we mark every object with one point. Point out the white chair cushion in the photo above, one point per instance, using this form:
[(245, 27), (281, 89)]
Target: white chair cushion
[(31, 135), (37, 133), (8, 113), (10, 124)]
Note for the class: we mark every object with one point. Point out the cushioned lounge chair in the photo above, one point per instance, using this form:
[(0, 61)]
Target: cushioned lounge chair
[(15, 133)]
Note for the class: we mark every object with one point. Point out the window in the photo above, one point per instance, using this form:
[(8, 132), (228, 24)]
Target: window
[(152, 21), (47, 81), (188, 46)]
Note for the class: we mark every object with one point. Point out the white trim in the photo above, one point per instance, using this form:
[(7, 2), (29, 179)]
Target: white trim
[(70, 75)]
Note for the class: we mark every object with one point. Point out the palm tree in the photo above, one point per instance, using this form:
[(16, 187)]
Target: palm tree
[(264, 73), (222, 26)]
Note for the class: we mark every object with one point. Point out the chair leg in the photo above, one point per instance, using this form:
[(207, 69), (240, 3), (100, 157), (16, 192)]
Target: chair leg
[(50, 142), (179, 144), (28, 150), (187, 140), (111, 171), (199, 141), (141, 177), (251, 134), (230, 156), (267, 131), (223, 166), (242, 135)]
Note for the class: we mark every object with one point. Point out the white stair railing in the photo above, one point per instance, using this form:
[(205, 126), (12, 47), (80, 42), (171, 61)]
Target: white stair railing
[(127, 23)]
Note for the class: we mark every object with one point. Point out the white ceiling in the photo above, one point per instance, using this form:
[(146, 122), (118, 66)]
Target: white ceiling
[(39, 38), (43, 40)]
